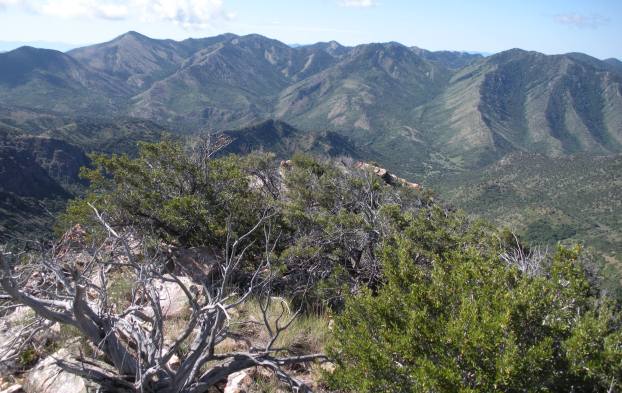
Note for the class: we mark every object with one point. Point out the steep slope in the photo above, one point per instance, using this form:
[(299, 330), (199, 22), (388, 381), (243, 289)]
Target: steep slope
[(40, 167), (615, 64), (371, 90), (49, 80), (518, 100), (37, 175), (132, 57), (20, 172), (230, 83), (138, 59)]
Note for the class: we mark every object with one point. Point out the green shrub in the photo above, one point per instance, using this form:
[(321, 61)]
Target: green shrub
[(28, 357), (452, 318)]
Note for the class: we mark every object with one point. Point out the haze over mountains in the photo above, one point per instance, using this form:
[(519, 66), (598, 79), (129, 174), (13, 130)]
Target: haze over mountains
[(422, 114)]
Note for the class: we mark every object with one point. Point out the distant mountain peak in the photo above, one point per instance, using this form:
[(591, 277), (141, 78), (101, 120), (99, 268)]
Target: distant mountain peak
[(133, 34), (615, 64), (17, 65), (514, 54), (334, 44), (452, 60)]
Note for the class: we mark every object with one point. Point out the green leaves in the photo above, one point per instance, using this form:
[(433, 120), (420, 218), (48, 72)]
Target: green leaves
[(452, 317)]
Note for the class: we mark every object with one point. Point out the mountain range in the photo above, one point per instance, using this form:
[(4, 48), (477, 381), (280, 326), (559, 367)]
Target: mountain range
[(446, 119), (449, 109)]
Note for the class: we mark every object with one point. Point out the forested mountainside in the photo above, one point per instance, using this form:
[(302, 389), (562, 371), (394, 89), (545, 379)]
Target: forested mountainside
[(37, 175), (448, 108), (39, 171), (575, 199)]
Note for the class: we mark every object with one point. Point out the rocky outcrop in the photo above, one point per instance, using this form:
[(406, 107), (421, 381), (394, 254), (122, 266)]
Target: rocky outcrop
[(388, 178)]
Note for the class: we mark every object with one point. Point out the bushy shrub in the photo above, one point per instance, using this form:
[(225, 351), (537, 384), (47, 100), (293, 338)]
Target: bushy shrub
[(450, 317), (328, 216)]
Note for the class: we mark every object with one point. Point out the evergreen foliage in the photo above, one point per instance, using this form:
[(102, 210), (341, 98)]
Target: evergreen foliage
[(452, 318), (328, 217)]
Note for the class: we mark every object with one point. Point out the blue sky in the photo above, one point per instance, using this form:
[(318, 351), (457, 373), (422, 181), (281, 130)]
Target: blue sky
[(550, 26)]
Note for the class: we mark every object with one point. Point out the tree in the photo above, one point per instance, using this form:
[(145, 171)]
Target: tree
[(185, 198), (129, 349), (453, 315)]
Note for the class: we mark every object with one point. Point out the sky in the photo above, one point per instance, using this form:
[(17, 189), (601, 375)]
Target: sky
[(549, 26)]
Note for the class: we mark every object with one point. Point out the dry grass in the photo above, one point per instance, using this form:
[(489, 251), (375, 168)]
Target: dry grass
[(306, 334), (120, 285)]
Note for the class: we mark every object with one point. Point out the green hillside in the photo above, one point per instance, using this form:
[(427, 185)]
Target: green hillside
[(37, 176), (284, 140), (52, 81), (547, 200), (39, 172)]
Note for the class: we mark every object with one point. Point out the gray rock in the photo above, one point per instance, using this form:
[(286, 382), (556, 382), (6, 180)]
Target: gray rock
[(48, 377), (239, 382), (173, 300)]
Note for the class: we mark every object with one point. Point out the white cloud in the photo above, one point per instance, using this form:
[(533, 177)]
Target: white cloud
[(582, 21), (187, 13), (5, 3), (358, 3), (81, 8)]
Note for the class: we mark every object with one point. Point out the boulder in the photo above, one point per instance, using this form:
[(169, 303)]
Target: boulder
[(174, 362), (173, 300), (48, 377), (387, 177), (329, 367), (199, 263)]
